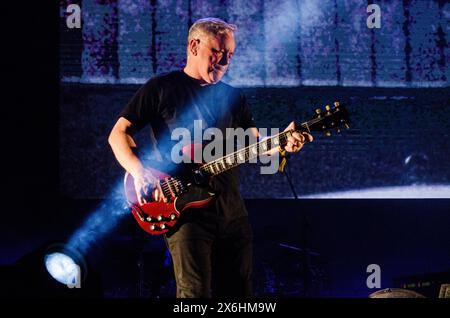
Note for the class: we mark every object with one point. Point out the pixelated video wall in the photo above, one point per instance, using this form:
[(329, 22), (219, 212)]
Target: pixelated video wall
[(280, 42), (292, 56)]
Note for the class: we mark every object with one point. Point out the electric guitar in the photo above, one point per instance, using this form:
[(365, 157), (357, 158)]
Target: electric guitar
[(185, 193)]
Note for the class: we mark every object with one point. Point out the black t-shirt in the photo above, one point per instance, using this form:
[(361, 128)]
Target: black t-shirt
[(175, 100)]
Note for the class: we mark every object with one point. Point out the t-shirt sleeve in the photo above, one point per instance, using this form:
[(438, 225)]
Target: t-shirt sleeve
[(143, 106), (246, 119)]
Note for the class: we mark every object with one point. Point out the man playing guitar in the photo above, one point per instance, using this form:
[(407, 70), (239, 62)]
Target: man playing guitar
[(211, 247)]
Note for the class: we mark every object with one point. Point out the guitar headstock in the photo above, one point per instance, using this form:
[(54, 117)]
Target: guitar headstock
[(330, 118)]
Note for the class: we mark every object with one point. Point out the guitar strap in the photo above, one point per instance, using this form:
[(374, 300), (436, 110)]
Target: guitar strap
[(284, 157)]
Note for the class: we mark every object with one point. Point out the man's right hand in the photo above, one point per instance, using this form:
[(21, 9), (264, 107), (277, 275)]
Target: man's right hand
[(147, 187)]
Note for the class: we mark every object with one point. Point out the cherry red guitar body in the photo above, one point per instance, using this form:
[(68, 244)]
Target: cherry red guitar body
[(159, 217)]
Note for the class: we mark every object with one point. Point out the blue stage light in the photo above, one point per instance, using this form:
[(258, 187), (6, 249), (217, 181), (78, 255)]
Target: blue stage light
[(65, 265), (63, 268)]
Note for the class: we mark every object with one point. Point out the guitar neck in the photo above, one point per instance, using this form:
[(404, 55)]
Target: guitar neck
[(243, 155)]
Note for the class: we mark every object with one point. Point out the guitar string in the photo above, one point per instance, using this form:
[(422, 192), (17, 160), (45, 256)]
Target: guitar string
[(171, 185), (235, 155), (245, 150), (236, 159), (209, 167)]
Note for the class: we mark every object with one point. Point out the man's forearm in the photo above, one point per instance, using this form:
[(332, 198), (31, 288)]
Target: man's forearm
[(122, 144)]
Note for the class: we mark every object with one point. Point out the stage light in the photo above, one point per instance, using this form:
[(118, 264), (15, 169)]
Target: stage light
[(63, 268), (65, 265), (53, 270)]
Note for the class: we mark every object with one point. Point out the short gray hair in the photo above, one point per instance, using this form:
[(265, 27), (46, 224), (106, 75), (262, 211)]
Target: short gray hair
[(210, 26)]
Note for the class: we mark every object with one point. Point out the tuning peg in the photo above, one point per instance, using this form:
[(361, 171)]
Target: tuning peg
[(336, 104), (318, 111), (346, 126), (327, 108), (328, 133)]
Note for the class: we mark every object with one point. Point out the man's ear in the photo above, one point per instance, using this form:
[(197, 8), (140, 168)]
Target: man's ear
[(193, 46)]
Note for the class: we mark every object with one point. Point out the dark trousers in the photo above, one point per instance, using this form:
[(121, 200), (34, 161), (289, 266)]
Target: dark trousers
[(212, 257)]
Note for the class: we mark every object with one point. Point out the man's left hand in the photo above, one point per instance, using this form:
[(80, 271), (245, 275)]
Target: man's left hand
[(296, 141)]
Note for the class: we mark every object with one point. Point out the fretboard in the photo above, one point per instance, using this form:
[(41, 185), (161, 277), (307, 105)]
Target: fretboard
[(243, 155)]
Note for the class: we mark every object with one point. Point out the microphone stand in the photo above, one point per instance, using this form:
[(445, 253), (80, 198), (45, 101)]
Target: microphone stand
[(303, 235)]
